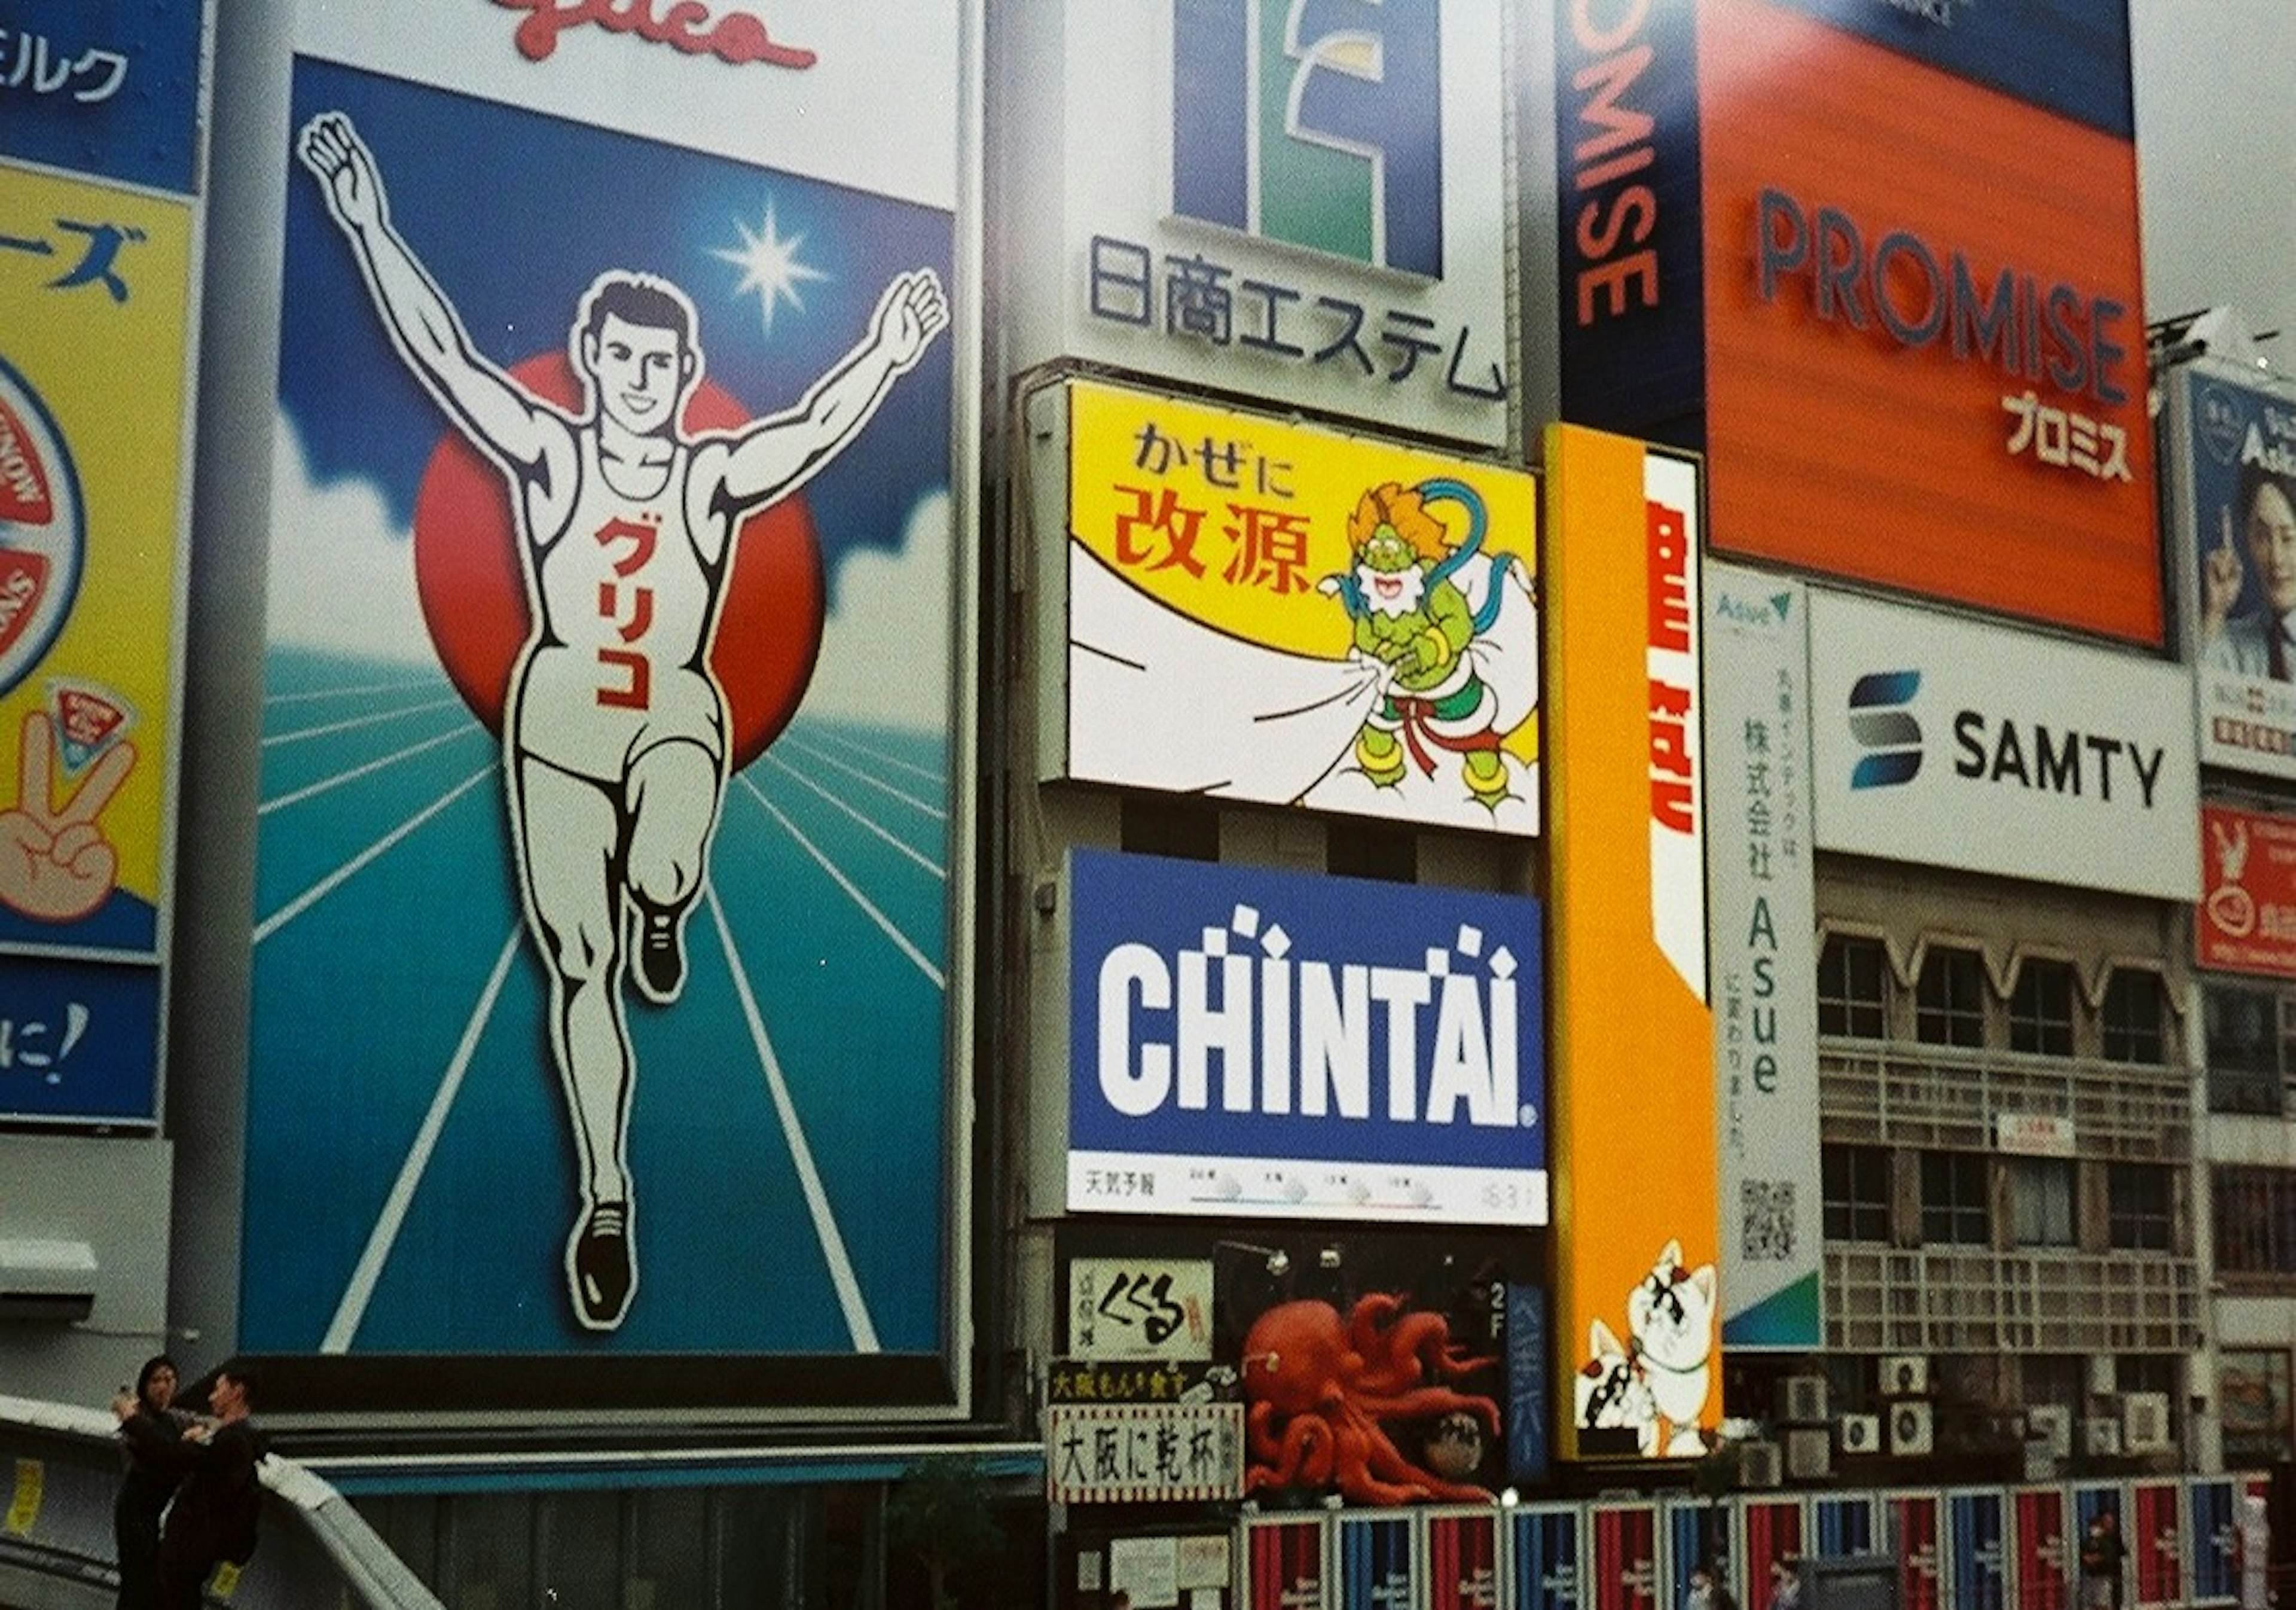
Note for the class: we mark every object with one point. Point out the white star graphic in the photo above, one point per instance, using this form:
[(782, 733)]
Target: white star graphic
[(769, 265)]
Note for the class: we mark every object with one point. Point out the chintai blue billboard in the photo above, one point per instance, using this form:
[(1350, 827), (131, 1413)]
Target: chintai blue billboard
[(1270, 1044)]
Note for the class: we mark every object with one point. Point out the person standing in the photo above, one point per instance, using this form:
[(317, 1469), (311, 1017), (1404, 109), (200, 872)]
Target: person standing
[(218, 1493), (1706, 1589), (2101, 1556), (1786, 1583), (145, 1486)]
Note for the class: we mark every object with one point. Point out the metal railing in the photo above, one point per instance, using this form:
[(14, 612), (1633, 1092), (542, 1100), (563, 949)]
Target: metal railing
[(1892, 1093), (314, 1551), (1966, 1300)]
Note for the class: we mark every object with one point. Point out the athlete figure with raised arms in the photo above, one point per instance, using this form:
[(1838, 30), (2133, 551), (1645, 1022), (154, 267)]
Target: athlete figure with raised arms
[(614, 735)]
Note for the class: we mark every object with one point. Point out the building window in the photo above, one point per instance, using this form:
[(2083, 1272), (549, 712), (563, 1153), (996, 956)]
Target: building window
[(2131, 1017), (2255, 1220), (1186, 830), (1949, 999), (2052, 1378), (1852, 989), (2041, 1201), (2137, 1207), (2247, 1040), (2252, 1396), (1953, 1198), (1848, 1382), (1856, 1192), (2145, 1372), (1357, 849), (2041, 1009)]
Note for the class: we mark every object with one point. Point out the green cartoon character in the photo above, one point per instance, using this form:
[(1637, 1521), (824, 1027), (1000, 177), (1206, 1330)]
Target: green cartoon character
[(1417, 626)]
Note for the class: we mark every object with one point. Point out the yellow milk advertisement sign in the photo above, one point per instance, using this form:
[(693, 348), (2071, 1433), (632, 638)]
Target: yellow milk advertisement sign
[(93, 384)]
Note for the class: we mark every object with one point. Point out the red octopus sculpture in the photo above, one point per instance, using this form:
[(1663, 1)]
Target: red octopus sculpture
[(1318, 1393)]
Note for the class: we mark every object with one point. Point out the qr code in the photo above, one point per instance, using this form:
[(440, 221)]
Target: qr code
[(1766, 1221)]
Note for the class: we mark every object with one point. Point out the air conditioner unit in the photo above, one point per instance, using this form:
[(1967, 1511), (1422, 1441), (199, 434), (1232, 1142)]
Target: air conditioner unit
[(2145, 1422), (1805, 1400), (1910, 1427), (2100, 1374), (1809, 1454), (2101, 1434), (2053, 1424), (1759, 1464), (1858, 1433), (1905, 1375)]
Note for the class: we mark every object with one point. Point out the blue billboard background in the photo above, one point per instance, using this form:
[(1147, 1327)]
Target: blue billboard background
[(1401, 937), (108, 88), (2070, 57), (78, 1041)]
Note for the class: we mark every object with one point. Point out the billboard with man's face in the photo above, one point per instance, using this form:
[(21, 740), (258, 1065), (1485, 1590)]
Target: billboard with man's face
[(603, 936), (2232, 446)]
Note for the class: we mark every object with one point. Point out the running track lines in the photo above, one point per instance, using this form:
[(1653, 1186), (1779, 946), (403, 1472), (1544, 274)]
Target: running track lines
[(351, 722), (854, 772), (350, 1312), (327, 885), (843, 1275), (309, 694), (919, 857), (846, 741), (300, 794), (924, 964)]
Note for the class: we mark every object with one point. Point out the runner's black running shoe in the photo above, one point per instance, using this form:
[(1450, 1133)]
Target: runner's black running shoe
[(659, 954), (601, 1270)]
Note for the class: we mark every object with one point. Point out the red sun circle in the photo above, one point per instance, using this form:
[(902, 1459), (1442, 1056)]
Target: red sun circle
[(473, 587)]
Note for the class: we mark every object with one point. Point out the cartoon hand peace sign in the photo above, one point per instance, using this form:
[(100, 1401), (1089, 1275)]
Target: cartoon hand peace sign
[(56, 866)]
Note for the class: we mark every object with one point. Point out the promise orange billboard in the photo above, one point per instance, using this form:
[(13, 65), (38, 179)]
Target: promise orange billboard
[(1895, 293)]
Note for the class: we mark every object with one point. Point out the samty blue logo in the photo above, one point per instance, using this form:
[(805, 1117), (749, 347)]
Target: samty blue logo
[(1885, 729), (1317, 123)]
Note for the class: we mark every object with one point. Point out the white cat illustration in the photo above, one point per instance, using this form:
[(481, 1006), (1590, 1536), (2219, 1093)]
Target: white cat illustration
[(1612, 1393), (1670, 1327)]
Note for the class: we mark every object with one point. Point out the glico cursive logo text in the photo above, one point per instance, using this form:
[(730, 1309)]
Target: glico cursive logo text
[(736, 38)]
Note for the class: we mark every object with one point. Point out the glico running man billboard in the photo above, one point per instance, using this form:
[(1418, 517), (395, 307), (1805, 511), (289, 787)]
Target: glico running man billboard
[(604, 938)]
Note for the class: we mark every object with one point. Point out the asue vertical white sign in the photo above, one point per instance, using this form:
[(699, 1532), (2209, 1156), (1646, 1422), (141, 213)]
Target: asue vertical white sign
[(1943, 740), (1762, 917)]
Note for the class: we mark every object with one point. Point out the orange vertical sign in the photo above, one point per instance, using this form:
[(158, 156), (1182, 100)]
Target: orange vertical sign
[(1633, 1091)]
